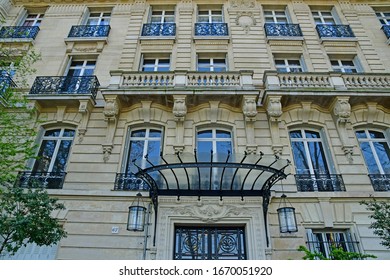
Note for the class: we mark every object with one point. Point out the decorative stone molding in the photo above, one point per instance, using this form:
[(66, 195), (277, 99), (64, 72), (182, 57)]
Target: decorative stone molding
[(186, 6), (110, 112), (211, 213), (274, 108), (274, 113), (85, 110), (342, 109), (60, 113), (214, 110), (306, 111), (372, 112), (249, 108), (179, 109), (243, 4), (246, 20)]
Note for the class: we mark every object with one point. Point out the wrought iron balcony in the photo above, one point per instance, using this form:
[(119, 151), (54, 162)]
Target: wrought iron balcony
[(48, 180), (89, 31), (380, 182), (319, 182), (334, 31), (282, 30), (128, 182), (19, 32), (211, 29), (386, 30), (6, 83), (159, 29), (66, 85)]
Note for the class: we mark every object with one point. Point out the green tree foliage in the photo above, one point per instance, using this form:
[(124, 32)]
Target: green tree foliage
[(381, 216), (25, 214), (336, 253)]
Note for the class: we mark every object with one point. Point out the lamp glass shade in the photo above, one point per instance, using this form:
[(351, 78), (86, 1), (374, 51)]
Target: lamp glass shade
[(136, 218), (287, 221)]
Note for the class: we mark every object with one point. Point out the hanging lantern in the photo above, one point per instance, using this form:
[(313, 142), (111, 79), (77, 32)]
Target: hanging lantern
[(136, 217), (286, 214)]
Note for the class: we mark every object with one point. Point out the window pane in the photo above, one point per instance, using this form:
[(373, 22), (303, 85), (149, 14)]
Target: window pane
[(155, 133), (376, 134), (138, 133), (45, 156), (62, 156), (223, 134), (69, 133), (317, 156), (153, 149), (300, 159), (361, 134), (205, 146), (224, 146), (312, 134), (369, 158), (136, 150), (205, 134), (383, 152), (53, 132)]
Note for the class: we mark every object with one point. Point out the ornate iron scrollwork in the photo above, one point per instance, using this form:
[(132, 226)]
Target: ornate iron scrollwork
[(282, 29), (211, 29), (48, 180), (334, 31), (159, 29), (380, 182), (19, 32), (320, 182), (89, 31)]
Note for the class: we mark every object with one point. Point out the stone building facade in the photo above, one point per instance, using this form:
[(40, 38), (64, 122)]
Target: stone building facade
[(303, 81)]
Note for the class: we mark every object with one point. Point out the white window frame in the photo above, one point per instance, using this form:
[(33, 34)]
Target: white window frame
[(288, 66), (156, 63), (211, 15), (276, 18), (318, 15), (383, 19), (146, 140), (342, 68), (163, 17), (58, 140), (371, 142), (212, 64), (82, 67), (101, 17), (214, 139), (36, 19)]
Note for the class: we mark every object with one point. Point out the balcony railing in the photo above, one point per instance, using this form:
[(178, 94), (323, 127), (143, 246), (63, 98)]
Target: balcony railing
[(66, 85), (380, 182), (128, 182), (334, 31), (19, 32), (89, 31), (319, 182), (386, 30), (237, 79), (211, 29), (159, 29), (6, 83), (48, 180), (282, 30), (327, 81)]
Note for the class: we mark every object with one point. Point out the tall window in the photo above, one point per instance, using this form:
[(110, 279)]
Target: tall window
[(344, 65), (33, 20), (207, 64), (155, 64), (162, 16), (142, 142), (384, 17), (275, 16), (102, 18), (210, 16), (54, 150), (323, 17), (81, 68), (216, 140), (284, 65), (376, 151)]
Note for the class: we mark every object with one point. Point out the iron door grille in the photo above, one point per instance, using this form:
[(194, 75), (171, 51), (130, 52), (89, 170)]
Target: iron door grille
[(209, 243)]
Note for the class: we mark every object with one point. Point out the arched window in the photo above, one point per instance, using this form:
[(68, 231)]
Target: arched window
[(217, 140)]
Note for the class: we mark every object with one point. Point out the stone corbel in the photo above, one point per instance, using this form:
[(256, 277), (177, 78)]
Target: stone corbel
[(372, 112), (60, 113), (214, 110), (249, 109), (111, 113), (274, 113), (306, 111), (85, 109), (341, 110), (179, 111), (146, 111)]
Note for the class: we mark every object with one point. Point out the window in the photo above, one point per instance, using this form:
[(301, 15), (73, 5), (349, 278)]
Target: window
[(54, 150), (322, 241), (384, 17), (102, 18), (142, 142), (206, 64), (162, 16), (210, 16), (155, 64), (288, 65), (209, 243), (81, 68), (275, 16), (216, 140), (343, 66), (376, 151), (33, 20), (323, 17)]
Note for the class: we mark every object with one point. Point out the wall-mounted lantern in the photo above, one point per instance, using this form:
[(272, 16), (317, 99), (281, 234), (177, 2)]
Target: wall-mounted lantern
[(136, 217), (286, 214)]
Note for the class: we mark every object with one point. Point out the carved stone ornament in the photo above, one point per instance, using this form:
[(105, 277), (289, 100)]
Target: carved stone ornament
[(246, 20), (211, 213), (274, 109), (111, 109), (243, 4), (249, 108), (179, 108), (107, 149), (342, 110)]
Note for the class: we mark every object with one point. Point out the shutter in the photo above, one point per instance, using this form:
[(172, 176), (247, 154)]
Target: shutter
[(303, 64), (335, 16), (328, 154), (126, 152), (289, 20), (85, 16), (358, 65)]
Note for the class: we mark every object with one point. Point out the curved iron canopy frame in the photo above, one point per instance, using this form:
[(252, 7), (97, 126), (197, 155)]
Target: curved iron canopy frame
[(265, 191)]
